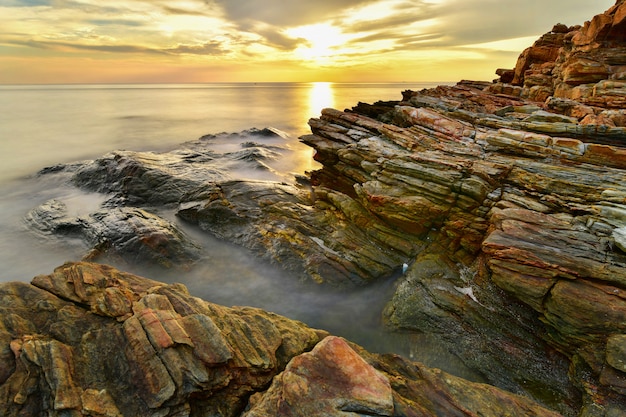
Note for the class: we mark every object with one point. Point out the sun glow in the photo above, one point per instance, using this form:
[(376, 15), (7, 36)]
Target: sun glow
[(321, 39)]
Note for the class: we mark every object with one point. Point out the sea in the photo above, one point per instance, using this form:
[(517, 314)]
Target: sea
[(45, 125)]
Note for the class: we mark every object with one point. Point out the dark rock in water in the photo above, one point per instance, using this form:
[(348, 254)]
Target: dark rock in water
[(147, 177), (93, 341), (150, 178), (266, 132), (137, 183), (127, 233), (256, 153)]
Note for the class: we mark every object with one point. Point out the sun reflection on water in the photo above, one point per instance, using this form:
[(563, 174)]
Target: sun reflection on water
[(321, 96)]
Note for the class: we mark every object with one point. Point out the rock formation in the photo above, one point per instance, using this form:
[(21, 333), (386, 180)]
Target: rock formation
[(505, 202), (586, 64), (88, 340)]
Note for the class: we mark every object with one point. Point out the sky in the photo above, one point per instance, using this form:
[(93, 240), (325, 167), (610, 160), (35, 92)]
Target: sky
[(195, 41)]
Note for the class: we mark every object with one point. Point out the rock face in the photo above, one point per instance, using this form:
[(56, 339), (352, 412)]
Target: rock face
[(503, 207), (89, 340), (504, 202), (587, 64)]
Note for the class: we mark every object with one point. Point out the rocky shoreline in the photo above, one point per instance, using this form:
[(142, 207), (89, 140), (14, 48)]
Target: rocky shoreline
[(501, 204)]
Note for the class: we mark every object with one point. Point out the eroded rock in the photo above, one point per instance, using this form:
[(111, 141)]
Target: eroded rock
[(521, 185), (67, 351), (91, 340)]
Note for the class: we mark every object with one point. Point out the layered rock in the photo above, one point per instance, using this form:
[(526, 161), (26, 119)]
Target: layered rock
[(89, 340), (505, 204), (325, 236), (529, 213), (585, 63)]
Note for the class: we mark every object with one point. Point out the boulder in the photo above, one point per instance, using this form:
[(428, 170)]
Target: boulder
[(130, 234), (90, 340), (331, 380)]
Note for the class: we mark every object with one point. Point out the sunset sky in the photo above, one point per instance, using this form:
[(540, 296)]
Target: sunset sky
[(89, 41)]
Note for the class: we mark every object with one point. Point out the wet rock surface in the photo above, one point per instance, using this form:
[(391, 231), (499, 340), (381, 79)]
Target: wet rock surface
[(503, 202), (89, 340), (128, 233)]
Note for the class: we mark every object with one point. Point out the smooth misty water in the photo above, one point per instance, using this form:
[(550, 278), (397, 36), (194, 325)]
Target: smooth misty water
[(45, 125)]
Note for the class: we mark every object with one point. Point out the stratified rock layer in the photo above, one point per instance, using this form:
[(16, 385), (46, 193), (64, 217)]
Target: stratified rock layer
[(89, 340), (504, 203), (586, 64)]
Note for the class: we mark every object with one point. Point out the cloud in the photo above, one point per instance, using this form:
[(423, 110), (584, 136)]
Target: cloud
[(59, 45), (286, 13), (418, 25), (213, 48), (115, 22), (269, 19), (268, 34), (181, 11), (24, 3)]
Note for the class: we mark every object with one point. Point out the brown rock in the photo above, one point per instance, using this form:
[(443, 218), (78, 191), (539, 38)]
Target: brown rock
[(511, 211), (331, 380), (172, 353), (584, 71), (178, 355), (616, 352), (506, 75)]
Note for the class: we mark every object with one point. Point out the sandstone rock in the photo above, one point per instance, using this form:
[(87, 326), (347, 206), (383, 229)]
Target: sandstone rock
[(419, 391), (616, 352), (506, 75), (436, 298), (331, 380), (544, 116), (159, 352), (569, 62), (511, 211), (342, 244), (170, 354), (619, 237)]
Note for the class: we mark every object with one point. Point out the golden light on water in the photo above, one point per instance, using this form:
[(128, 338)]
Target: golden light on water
[(321, 96)]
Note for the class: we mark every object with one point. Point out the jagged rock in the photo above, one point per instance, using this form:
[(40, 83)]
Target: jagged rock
[(619, 237), (328, 238), (128, 226), (165, 178), (534, 203), (89, 340), (528, 196), (584, 63), (323, 382), (437, 298)]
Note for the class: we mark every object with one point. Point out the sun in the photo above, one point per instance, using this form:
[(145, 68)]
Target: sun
[(322, 41)]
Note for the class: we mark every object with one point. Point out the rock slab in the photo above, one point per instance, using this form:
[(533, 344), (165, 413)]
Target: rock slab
[(90, 340)]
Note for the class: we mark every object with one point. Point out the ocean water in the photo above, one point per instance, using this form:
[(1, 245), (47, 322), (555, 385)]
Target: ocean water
[(43, 125)]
